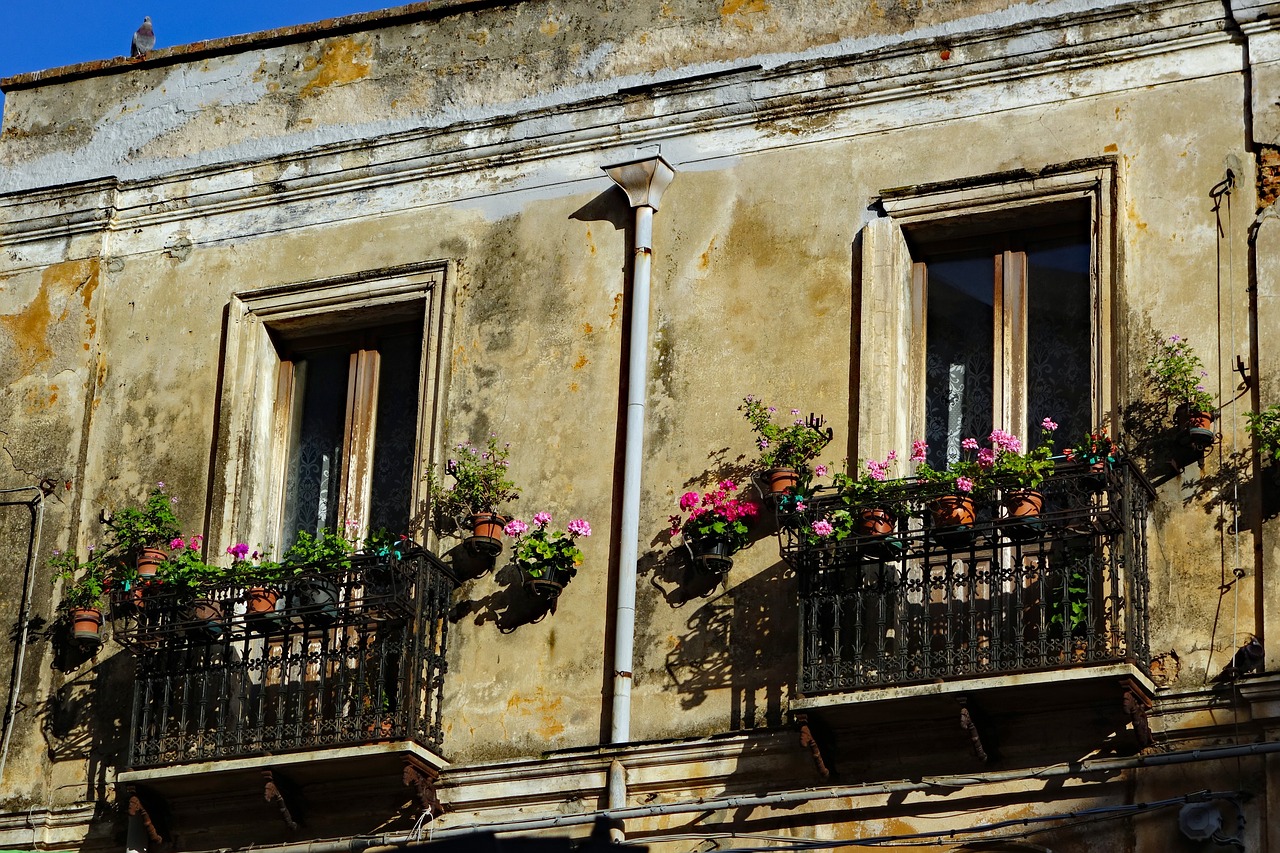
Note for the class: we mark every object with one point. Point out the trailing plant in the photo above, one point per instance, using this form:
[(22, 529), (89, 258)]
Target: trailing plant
[(85, 583), (1178, 374), (480, 481), (1016, 468), (540, 550), (1265, 427), (714, 514), (794, 445)]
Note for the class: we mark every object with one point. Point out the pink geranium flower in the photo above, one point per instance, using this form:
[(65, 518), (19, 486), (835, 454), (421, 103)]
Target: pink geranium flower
[(515, 527), (822, 527), (579, 527)]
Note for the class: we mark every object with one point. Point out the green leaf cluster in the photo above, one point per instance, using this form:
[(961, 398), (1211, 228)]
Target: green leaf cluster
[(1178, 374), (480, 481), (793, 445), (151, 525), (1265, 427)]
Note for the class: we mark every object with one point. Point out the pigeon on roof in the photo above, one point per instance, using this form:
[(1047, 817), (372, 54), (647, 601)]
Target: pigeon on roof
[(144, 39)]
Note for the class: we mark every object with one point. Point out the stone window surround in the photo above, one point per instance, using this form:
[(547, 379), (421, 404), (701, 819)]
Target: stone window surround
[(246, 501), (888, 341)]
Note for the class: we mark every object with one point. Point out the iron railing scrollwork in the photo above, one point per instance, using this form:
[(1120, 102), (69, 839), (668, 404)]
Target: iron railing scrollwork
[(1002, 596), (346, 656)]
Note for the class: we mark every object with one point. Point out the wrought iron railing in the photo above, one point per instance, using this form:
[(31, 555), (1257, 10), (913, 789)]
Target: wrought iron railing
[(1002, 595), (333, 657)]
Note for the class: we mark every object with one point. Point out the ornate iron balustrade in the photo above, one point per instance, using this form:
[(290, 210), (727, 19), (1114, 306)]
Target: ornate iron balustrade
[(334, 657), (1001, 596)]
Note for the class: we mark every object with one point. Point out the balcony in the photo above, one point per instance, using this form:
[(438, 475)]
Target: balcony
[(342, 658), (1012, 613)]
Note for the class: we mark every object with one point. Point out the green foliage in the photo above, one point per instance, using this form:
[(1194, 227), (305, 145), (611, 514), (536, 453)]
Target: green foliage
[(1015, 468), (539, 550), (1265, 427), (480, 482), (186, 571), (329, 550), (253, 568), (871, 488), (149, 526), (1095, 446), (85, 582), (1178, 374), (791, 446)]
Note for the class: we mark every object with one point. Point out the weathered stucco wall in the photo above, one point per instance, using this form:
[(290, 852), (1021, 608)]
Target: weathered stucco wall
[(462, 151)]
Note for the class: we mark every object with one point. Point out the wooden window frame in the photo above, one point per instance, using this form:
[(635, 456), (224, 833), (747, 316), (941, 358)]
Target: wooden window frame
[(889, 384), (256, 403)]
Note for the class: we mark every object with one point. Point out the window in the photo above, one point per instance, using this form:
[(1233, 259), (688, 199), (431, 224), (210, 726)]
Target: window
[(984, 303), (352, 406), (329, 405), (1007, 327)]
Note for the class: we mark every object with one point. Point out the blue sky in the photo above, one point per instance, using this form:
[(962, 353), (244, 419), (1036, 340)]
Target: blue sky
[(36, 35)]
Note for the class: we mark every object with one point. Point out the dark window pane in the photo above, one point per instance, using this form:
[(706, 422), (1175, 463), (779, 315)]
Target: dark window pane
[(315, 452), (1058, 347), (396, 434), (958, 354)]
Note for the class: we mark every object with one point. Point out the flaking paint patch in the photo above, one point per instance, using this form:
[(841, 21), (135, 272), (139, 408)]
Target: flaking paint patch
[(546, 713), (28, 330), (582, 362), (343, 61), (743, 7)]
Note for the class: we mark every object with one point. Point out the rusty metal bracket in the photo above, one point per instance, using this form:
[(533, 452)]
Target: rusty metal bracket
[(283, 794), (424, 779), (140, 804), (971, 728), (1135, 707), (809, 742)]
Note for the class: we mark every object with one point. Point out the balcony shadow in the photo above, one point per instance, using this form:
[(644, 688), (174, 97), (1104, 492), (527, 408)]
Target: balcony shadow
[(731, 642), (508, 607), (85, 720)]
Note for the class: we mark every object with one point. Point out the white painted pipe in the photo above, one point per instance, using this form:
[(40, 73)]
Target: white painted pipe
[(617, 797), (643, 181), (24, 614)]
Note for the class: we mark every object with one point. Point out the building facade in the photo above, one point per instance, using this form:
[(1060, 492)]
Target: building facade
[(287, 274)]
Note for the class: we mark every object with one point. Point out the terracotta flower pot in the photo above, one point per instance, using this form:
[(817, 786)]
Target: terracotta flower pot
[(260, 607), (486, 534), (1023, 508), (148, 562), (953, 519), (86, 624), (875, 521), (204, 617), (783, 480), (1195, 427), (953, 511)]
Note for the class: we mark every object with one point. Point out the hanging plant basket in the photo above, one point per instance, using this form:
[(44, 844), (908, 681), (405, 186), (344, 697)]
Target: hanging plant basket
[(1195, 427), (782, 481), (1022, 520), (486, 534), (549, 583), (711, 554), (86, 624)]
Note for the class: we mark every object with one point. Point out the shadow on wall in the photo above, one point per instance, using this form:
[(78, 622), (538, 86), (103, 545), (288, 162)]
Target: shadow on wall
[(86, 720), (741, 636)]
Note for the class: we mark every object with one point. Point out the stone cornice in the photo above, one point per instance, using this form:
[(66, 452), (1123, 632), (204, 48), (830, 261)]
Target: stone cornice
[(742, 99)]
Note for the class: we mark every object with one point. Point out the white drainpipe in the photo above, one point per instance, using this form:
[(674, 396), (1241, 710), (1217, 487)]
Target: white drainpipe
[(643, 181)]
